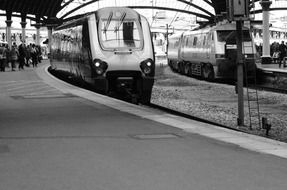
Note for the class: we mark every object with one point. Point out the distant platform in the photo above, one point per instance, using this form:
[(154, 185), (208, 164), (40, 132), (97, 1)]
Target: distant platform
[(273, 68)]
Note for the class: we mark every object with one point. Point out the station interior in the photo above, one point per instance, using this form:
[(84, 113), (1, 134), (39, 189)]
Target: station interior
[(203, 107)]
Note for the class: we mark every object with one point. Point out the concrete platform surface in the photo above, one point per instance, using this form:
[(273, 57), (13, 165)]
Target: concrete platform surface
[(54, 136)]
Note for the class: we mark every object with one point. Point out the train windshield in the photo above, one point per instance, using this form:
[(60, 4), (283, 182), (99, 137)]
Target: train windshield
[(120, 33), (230, 36)]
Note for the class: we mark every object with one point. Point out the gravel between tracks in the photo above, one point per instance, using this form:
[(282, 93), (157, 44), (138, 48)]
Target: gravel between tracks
[(218, 102)]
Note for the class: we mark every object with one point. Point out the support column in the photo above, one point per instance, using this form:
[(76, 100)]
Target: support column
[(266, 58), (50, 28), (8, 28), (37, 26), (23, 26)]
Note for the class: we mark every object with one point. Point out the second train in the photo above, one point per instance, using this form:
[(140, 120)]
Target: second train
[(211, 52)]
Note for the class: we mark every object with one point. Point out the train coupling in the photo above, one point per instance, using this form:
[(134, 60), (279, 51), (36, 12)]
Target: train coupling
[(126, 87)]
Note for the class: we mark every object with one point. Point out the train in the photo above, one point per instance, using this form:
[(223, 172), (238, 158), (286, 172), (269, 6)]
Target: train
[(210, 52), (110, 49)]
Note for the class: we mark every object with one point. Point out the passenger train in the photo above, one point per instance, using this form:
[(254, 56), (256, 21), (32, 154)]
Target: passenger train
[(211, 52), (111, 49)]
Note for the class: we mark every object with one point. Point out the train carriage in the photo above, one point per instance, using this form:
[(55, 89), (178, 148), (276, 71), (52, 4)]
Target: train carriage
[(111, 49), (211, 52)]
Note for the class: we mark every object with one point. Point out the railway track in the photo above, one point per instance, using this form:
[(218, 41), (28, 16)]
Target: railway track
[(177, 113)]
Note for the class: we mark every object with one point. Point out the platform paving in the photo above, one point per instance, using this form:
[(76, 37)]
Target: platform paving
[(54, 136)]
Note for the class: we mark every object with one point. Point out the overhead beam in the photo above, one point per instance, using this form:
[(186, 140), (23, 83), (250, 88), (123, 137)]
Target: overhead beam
[(66, 4), (208, 2), (211, 16), (271, 9), (141, 7), (77, 8), (197, 7), (17, 15), (172, 9)]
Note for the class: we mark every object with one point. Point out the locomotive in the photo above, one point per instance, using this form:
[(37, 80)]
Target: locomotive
[(211, 52), (111, 49)]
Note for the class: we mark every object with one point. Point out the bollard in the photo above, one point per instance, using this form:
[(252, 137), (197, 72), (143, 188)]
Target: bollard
[(266, 125)]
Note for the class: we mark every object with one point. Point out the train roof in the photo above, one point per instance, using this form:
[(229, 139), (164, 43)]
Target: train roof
[(176, 35), (106, 12), (220, 26), (117, 12)]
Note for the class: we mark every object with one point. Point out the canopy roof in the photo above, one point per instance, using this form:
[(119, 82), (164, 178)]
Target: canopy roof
[(50, 11)]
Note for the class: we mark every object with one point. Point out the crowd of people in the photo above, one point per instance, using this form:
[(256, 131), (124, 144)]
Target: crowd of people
[(22, 55), (278, 52)]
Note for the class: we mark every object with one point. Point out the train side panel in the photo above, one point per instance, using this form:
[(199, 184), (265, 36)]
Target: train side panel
[(211, 52), (173, 50)]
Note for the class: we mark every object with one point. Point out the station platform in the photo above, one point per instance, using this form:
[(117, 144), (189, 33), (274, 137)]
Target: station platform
[(273, 67), (55, 136)]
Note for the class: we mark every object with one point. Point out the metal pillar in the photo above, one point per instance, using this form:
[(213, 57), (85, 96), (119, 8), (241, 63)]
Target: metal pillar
[(50, 28), (8, 28), (37, 26), (240, 62), (166, 39), (23, 26), (266, 58)]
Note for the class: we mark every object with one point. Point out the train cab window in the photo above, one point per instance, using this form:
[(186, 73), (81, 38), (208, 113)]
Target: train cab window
[(230, 35), (123, 33)]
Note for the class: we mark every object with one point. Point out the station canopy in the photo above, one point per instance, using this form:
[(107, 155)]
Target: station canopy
[(180, 14)]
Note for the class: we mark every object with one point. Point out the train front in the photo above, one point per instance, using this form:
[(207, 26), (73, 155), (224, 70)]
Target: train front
[(123, 57), (226, 53)]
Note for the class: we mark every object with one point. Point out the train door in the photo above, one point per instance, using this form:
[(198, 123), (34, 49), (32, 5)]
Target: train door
[(86, 56), (211, 46)]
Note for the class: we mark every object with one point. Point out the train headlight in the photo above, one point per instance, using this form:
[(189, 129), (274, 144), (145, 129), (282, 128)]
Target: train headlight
[(99, 66), (148, 64), (147, 67)]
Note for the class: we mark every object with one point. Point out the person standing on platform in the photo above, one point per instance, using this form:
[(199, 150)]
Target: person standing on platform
[(34, 55), (28, 55), (282, 49), (14, 54), (2, 58), (7, 55), (22, 55)]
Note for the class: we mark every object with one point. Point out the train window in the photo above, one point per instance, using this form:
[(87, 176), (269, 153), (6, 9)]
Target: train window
[(204, 40), (194, 41), (85, 36), (183, 41), (176, 44), (120, 33)]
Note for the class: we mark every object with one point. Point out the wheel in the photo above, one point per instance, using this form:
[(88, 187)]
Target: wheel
[(180, 68), (186, 69), (207, 72)]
